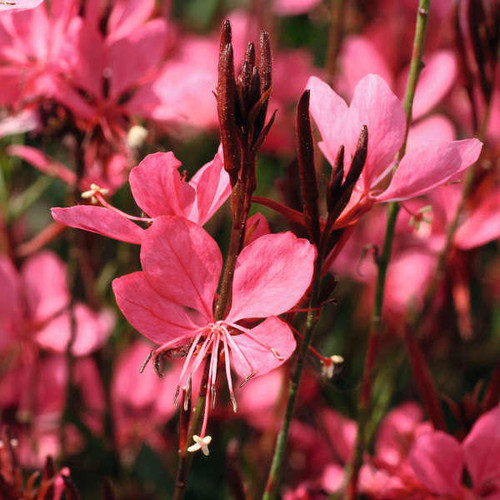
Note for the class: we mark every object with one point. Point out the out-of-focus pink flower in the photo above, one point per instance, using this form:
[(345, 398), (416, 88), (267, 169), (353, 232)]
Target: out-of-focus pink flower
[(158, 189), (293, 7), (171, 301), (141, 401), (438, 460), (420, 171), (19, 4), (35, 308), (36, 48), (360, 57)]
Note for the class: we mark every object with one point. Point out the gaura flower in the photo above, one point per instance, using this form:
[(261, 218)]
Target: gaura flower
[(172, 302), (423, 167), (158, 189)]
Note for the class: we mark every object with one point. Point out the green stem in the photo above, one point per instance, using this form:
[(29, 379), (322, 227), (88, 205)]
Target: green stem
[(274, 477), (383, 263), (240, 210)]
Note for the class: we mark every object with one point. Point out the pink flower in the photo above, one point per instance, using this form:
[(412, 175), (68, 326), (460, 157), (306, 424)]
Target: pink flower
[(293, 7), (158, 190), (423, 167), (438, 460), (171, 301), (35, 308)]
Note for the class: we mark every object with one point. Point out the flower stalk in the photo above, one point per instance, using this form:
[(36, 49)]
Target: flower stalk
[(242, 107), (339, 194), (383, 263)]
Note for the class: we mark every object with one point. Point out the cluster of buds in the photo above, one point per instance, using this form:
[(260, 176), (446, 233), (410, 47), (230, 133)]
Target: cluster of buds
[(242, 106)]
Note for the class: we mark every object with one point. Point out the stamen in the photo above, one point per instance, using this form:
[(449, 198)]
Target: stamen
[(248, 333), (189, 356), (228, 375), (238, 351), (146, 361), (248, 378)]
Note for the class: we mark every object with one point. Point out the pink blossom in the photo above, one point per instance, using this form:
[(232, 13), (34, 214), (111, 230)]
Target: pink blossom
[(171, 301), (158, 189), (438, 460), (421, 170), (35, 308)]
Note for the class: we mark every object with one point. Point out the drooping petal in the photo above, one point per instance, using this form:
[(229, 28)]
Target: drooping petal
[(212, 187), (134, 57), (99, 220), (482, 451), (152, 315), (426, 167), (182, 262), (271, 275), (376, 106), (437, 460), (42, 162), (330, 112), (158, 188), (273, 333)]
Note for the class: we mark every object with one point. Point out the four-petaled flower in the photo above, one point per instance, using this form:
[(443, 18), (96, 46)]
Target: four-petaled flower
[(172, 301)]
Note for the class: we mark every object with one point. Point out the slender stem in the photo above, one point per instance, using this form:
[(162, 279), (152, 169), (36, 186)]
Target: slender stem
[(240, 210), (274, 477), (383, 262), (335, 33)]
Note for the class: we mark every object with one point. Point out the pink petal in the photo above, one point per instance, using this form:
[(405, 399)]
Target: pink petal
[(359, 57), (438, 461), (45, 286), (271, 275), (128, 16), (424, 168), (436, 128), (396, 433), (11, 306), (435, 81), (151, 314), (182, 262), (134, 57), (273, 332), (212, 187), (158, 188), (257, 226), (483, 224), (92, 331), (482, 450), (330, 115), (99, 220), (91, 61), (376, 106), (43, 163), (25, 121), (341, 432), (293, 7)]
